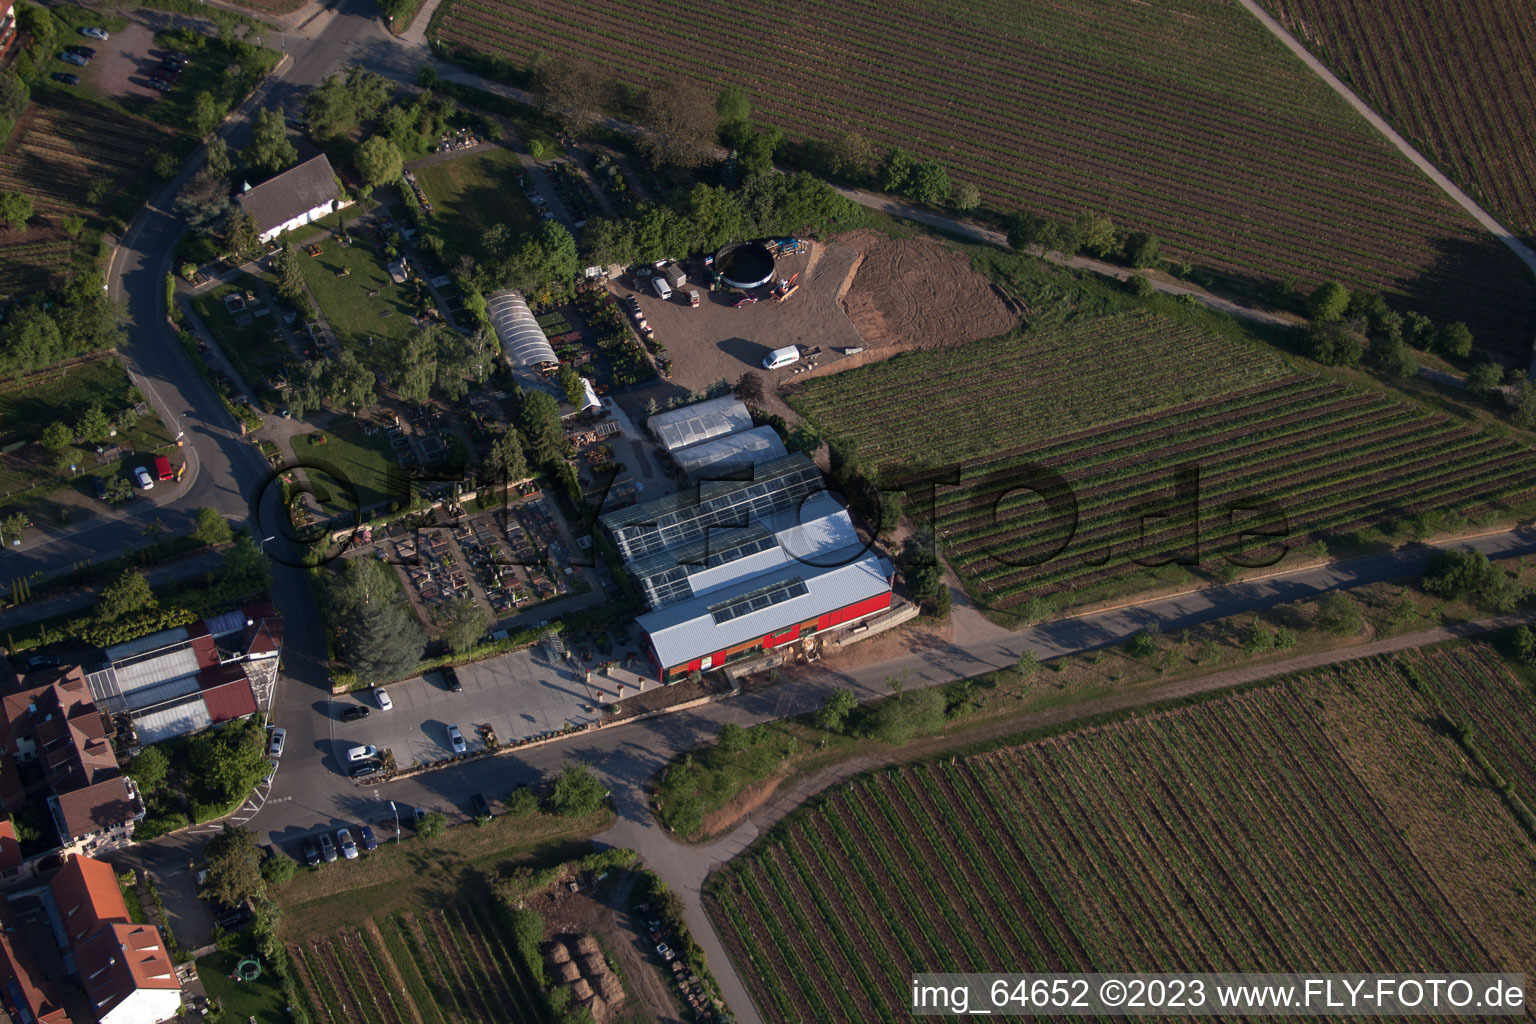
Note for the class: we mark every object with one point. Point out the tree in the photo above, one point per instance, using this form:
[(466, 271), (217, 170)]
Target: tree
[(1522, 640), (732, 106), (72, 224), (521, 802), (1391, 356), (124, 596), (733, 738), (928, 184), (966, 197), (277, 869), (244, 566), (218, 162), (505, 463), (15, 209), (679, 123), (1332, 344), (11, 527), (749, 387), (376, 636), (290, 280), (1328, 301), (56, 436), (347, 383), (431, 824), (205, 113), (149, 769), (1469, 574), (270, 151), (1142, 644), (1097, 233), (211, 528), (14, 95), (1026, 665), (119, 490), (1142, 249), (833, 716), (93, 425), (242, 236), (462, 622), (1454, 340), (539, 419), (1338, 613), (378, 161), (576, 791), (1484, 381), (416, 365), (570, 92), (234, 866), (895, 170), (905, 715)]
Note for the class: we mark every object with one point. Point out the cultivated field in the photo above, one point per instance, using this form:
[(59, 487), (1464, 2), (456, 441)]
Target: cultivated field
[(1098, 404), (1455, 78), (1183, 117), (435, 965), (74, 158), (1238, 834)]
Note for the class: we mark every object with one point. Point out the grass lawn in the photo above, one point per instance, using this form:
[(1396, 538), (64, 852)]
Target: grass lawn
[(359, 320), (260, 1000), (419, 873), (368, 462), (27, 404), (256, 349), (473, 192)]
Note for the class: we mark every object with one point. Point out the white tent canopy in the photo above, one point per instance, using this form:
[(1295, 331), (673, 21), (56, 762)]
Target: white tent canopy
[(521, 336)]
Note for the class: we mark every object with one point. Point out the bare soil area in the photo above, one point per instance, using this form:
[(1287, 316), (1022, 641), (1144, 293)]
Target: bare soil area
[(918, 292), (568, 916)]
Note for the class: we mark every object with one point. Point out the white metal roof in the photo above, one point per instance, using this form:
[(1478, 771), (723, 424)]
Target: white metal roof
[(145, 644), (685, 631), (229, 622), (151, 672), (730, 452), (589, 399), (521, 336), (186, 716), (818, 533), (679, 428)]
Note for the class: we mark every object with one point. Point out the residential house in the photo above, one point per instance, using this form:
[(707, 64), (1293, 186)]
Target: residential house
[(298, 196)]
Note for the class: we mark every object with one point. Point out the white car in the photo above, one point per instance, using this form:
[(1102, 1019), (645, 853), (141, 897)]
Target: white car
[(275, 748), (382, 696), (95, 33), (456, 739), (146, 482), (362, 753), (348, 847)]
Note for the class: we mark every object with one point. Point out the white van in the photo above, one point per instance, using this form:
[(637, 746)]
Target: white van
[(781, 357), (663, 290), (367, 753)]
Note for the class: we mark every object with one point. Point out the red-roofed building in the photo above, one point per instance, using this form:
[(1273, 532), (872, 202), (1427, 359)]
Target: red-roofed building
[(50, 727), (28, 994), (10, 849), (124, 967)]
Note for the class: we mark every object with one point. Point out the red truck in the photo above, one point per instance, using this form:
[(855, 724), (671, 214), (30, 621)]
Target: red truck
[(163, 470)]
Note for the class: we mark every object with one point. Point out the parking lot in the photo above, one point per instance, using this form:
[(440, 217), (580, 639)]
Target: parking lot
[(518, 696), (121, 67), (720, 340)]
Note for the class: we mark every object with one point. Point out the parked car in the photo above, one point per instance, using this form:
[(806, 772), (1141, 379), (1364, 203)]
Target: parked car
[(348, 847), (480, 806), (664, 951), (354, 713), (84, 51), (95, 33), (75, 59), (173, 66), (456, 740), (327, 848), (365, 837), (745, 300), (275, 748), (271, 773), (229, 918), (59, 76), (362, 753), (159, 83), (363, 769), (100, 487), (382, 696), (180, 58), (311, 851), (40, 662), (451, 681), (146, 482)]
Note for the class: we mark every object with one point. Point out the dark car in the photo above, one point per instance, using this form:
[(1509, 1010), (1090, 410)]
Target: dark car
[(354, 713), (40, 662), (59, 76), (365, 838), (327, 848), (160, 83), (311, 851), (363, 769), (81, 51), (100, 487), (451, 681), (480, 806), (170, 67), (230, 917), (179, 58)]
